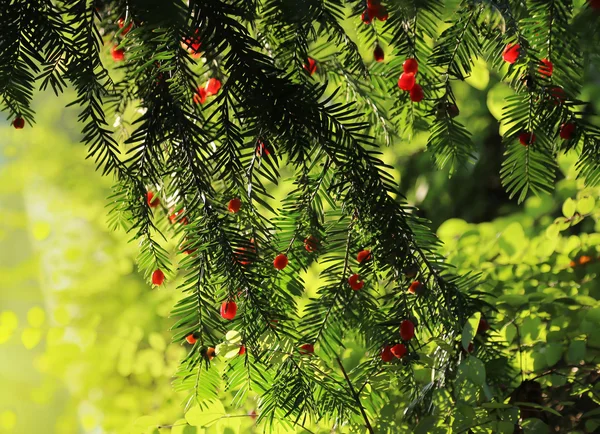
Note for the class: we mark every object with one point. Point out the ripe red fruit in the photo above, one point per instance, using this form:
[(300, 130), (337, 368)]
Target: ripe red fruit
[(452, 110), (399, 350), (558, 94), (386, 354), (280, 261), (234, 205), (307, 349), (18, 123), (378, 53), (526, 138), (174, 217), (191, 339), (567, 131), (407, 330), (483, 326), (118, 54), (415, 288), (311, 244), (416, 93), (355, 282), (121, 23), (200, 96), (262, 149), (594, 4), (158, 277), (212, 86), (411, 66), (382, 14), (366, 17), (546, 68), (310, 66), (228, 309), (511, 53), (406, 81), (242, 350), (585, 259), (363, 255), (153, 202)]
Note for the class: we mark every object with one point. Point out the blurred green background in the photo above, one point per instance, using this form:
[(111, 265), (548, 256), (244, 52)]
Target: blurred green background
[(84, 341)]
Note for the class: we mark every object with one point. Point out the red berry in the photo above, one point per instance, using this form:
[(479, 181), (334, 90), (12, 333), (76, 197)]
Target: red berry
[(174, 217), (158, 277), (311, 244), (546, 68), (210, 353), (262, 149), (200, 96), (511, 53), (212, 86), (406, 81), (483, 326), (407, 330), (153, 202), (18, 123), (470, 347), (253, 415), (526, 138), (121, 23), (585, 259), (567, 131), (386, 354), (416, 93), (241, 256), (452, 110), (307, 349), (242, 350), (365, 17), (228, 309), (399, 350), (118, 54), (355, 282), (411, 66), (378, 53), (234, 205), (310, 66), (280, 261), (382, 14), (415, 288), (191, 339), (594, 4), (363, 255)]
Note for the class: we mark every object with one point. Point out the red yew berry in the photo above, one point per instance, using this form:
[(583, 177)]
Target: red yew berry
[(406, 81), (365, 17), (242, 350), (253, 415), (585, 259), (355, 282), (572, 264), (118, 54), (158, 277), (210, 353), (363, 255), (407, 330), (483, 326), (311, 244), (200, 96), (280, 261), (152, 201), (228, 309), (307, 349), (378, 53), (386, 354), (526, 138), (411, 66), (452, 110), (399, 350), (416, 287), (567, 131), (121, 23), (262, 149), (416, 93), (174, 217), (191, 339), (18, 123), (193, 44), (234, 205), (594, 4), (558, 94), (511, 53), (382, 14), (310, 66), (546, 68), (212, 86)]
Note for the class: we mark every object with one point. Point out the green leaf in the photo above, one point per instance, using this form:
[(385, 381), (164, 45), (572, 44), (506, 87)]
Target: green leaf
[(586, 204), (576, 351), (36, 316), (553, 353), (569, 208), (538, 407), (426, 425), (535, 426), (233, 337), (31, 337), (210, 412), (475, 370), (470, 329)]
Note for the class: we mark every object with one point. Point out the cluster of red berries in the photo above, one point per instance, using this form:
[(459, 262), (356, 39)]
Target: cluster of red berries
[(407, 81), (193, 44), (374, 10), (118, 54), (407, 332), (211, 88)]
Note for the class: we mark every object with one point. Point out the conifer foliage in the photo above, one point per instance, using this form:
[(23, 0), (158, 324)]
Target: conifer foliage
[(231, 92)]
